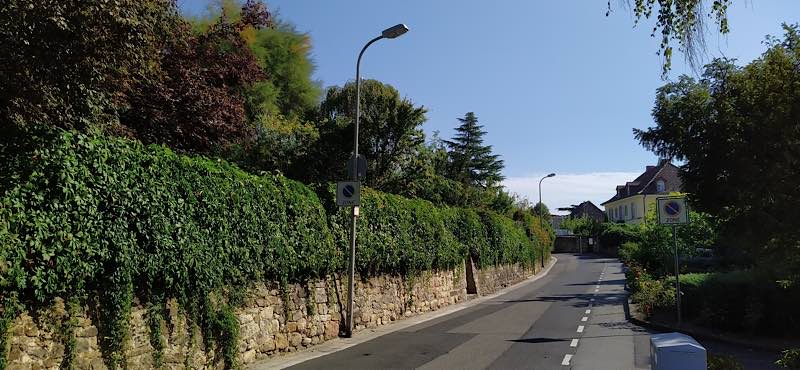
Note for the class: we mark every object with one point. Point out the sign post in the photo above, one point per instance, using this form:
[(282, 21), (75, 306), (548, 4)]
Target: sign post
[(348, 193), (673, 211)]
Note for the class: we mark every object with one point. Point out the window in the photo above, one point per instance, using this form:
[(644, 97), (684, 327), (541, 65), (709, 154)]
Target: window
[(633, 210), (661, 186), (626, 211)]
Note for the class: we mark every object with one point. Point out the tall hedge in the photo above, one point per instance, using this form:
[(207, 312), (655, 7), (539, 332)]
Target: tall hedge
[(99, 220), (93, 214), (396, 234)]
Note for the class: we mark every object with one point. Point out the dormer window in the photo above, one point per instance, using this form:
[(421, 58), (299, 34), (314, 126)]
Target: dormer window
[(661, 186)]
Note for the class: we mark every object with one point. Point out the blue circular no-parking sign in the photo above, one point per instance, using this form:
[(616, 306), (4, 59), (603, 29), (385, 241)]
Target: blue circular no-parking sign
[(348, 191), (672, 208)]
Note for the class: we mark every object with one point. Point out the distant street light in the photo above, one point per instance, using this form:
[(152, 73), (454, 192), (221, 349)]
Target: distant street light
[(389, 33), (541, 210)]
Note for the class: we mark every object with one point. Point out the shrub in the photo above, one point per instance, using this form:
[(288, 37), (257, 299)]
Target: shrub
[(739, 300), (614, 235), (723, 362), (469, 230), (507, 242), (397, 235), (652, 294), (92, 214), (629, 253), (790, 359)]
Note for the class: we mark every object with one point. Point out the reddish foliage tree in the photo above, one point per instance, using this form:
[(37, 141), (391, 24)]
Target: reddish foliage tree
[(196, 103)]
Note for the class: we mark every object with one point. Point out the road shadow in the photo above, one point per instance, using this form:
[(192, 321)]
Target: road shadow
[(537, 340)]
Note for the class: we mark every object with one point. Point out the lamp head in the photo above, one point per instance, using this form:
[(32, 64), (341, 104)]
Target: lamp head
[(551, 175), (394, 31)]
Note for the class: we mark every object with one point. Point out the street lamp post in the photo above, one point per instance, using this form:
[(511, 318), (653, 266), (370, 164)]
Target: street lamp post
[(389, 33), (541, 213)]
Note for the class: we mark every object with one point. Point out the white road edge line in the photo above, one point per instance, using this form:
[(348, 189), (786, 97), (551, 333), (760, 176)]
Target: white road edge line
[(565, 361), (574, 343), (584, 319), (580, 328)]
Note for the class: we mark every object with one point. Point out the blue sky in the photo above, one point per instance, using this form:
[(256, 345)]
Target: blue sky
[(557, 84)]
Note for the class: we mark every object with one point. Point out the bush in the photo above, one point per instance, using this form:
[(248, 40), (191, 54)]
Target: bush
[(652, 294), (397, 235), (614, 235), (469, 230), (790, 359), (739, 300), (93, 214), (629, 253), (507, 244), (723, 362)]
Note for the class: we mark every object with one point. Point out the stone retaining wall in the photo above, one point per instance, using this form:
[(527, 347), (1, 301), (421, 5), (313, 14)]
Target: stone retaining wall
[(492, 279), (268, 325)]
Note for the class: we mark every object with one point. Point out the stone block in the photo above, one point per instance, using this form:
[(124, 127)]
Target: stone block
[(291, 327), (249, 356), (83, 345), (267, 345), (295, 339), (249, 330), (281, 342), (331, 329), (320, 295), (86, 332)]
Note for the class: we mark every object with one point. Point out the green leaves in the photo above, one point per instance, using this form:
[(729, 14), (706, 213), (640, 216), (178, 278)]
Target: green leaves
[(110, 215)]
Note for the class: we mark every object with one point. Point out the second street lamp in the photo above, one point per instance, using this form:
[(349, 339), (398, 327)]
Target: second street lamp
[(541, 210), (389, 33)]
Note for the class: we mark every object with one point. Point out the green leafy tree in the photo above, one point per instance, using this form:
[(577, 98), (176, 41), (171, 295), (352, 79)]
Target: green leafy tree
[(736, 131), (540, 209), (197, 101), (68, 63), (285, 56), (583, 226), (681, 21), (471, 162), (390, 135)]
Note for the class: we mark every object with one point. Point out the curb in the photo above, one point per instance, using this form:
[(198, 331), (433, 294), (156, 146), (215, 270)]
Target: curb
[(339, 344)]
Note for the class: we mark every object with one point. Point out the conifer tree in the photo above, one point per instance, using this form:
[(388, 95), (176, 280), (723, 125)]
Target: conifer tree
[(470, 161)]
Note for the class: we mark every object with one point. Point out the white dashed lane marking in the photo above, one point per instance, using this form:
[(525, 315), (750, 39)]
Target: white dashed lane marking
[(565, 361), (580, 329), (588, 312), (574, 343)]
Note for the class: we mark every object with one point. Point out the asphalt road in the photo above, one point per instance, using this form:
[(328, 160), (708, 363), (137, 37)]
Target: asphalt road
[(572, 318)]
